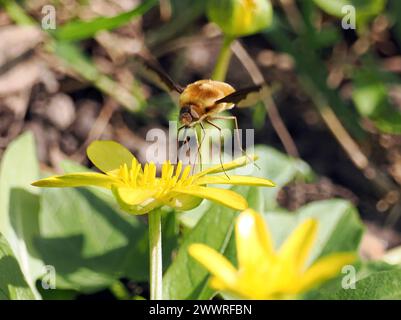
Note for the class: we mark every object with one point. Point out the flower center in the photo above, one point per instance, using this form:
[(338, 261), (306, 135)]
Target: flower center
[(170, 178)]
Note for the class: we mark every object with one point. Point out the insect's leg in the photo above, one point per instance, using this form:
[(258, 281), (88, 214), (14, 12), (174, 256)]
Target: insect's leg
[(178, 140), (197, 148), (198, 152), (221, 144), (238, 137), (186, 141)]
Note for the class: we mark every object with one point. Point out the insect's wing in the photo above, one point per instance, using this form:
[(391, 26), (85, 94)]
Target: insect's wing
[(156, 75), (246, 97)]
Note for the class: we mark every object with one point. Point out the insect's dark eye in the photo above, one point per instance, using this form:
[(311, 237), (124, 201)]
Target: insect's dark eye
[(185, 110)]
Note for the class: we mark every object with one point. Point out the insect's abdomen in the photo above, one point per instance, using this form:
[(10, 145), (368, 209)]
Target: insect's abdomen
[(204, 94)]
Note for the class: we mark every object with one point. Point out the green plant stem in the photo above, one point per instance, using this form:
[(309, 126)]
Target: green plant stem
[(155, 251), (223, 60)]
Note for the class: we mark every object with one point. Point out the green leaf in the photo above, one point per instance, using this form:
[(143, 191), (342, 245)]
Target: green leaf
[(13, 285), (19, 205), (259, 115), (365, 10), (88, 241), (79, 30), (105, 245), (381, 285), (98, 207), (340, 228), (394, 12), (274, 165), (370, 96), (348, 279), (79, 232), (170, 237), (186, 278), (281, 169), (327, 37)]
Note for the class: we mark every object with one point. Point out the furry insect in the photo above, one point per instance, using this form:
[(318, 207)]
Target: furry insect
[(204, 100)]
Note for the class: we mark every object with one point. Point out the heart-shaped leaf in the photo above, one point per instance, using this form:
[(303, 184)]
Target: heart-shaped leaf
[(19, 205), (12, 282), (186, 278)]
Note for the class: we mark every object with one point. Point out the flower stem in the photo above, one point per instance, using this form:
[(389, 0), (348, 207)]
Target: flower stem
[(155, 250), (223, 60)]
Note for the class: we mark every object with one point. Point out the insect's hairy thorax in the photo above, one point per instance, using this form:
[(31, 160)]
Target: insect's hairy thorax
[(204, 94)]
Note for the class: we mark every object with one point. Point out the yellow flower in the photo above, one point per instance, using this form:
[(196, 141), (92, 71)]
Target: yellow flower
[(264, 273), (139, 191), (240, 17)]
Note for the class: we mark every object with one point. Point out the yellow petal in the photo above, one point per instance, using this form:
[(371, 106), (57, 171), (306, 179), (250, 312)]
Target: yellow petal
[(324, 269), (109, 155), (235, 180), (134, 196), (217, 284), (296, 248), (254, 244), (182, 202), (131, 202), (143, 209), (76, 180), (228, 198), (239, 162), (217, 264)]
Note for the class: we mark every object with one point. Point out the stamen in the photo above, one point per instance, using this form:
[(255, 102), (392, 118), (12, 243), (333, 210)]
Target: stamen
[(134, 163), (190, 180), (170, 183), (120, 172), (173, 181), (152, 173), (178, 169), (170, 171), (164, 170), (136, 174), (124, 172), (185, 173), (131, 175), (145, 174)]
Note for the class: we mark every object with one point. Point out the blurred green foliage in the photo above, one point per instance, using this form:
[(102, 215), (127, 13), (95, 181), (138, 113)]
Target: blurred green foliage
[(365, 10), (80, 30), (92, 244)]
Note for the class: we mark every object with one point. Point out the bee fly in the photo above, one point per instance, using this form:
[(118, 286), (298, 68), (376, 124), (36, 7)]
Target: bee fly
[(204, 100)]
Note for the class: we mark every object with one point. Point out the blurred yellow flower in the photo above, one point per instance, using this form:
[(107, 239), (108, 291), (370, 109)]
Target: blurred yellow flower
[(139, 191), (264, 273), (240, 17)]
